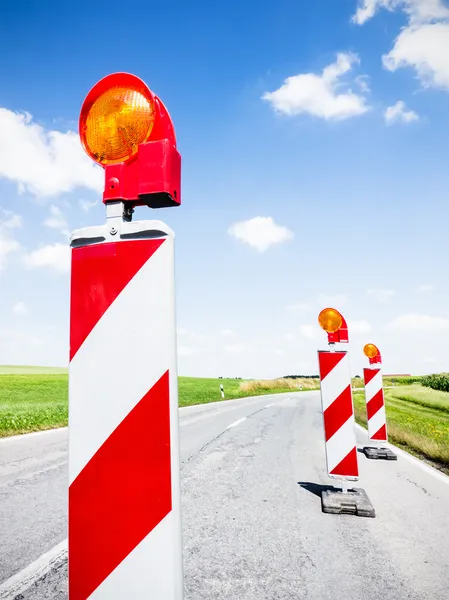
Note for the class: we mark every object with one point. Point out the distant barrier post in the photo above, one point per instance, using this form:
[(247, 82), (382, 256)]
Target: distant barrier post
[(375, 407), (338, 421)]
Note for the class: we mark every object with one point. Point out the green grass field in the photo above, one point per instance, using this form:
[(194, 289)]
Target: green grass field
[(417, 420), (31, 401)]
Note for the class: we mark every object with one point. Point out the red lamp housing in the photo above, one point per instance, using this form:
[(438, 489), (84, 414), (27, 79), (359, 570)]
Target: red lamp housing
[(341, 335), (149, 174), (375, 359)]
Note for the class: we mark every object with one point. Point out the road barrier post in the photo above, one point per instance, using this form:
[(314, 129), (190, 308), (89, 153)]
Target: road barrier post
[(375, 407), (124, 538), (338, 421), (222, 390)]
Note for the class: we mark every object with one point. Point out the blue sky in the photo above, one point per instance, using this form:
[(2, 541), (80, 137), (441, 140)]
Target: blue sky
[(314, 139)]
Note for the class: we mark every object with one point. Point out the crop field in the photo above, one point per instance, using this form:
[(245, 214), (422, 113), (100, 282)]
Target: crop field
[(417, 420)]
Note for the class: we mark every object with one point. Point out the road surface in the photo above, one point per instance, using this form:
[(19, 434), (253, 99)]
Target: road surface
[(253, 529)]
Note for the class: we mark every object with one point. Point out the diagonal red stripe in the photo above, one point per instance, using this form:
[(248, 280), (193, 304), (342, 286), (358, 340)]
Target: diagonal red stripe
[(369, 374), (99, 273), (338, 413), (121, 494), (375, 404), (381, 434), (328, 361), (348, 467)]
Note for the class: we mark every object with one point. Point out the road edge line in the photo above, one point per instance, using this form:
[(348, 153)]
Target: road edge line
[(24, 579), (22, 436), (414, 460)]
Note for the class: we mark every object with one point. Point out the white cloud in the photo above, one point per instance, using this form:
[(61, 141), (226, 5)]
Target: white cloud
[(399, 112), (12, 220), (86, 206), (8, 244), (423, 44), (418, 11), (239, 348), (181, 331), (44, 162), (325, 96), (381, 295), (311, 332), (20, 309), (226, 332), (417, 323), (289, 337), (53, 256), (56, 219), (332, 301), (427, 287), (185, 351), (299, 307), (358, 327), (426, 49), (260, 232)]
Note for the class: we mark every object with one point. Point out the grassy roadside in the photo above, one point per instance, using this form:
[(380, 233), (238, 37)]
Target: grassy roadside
[(418, 421), (33, 402)]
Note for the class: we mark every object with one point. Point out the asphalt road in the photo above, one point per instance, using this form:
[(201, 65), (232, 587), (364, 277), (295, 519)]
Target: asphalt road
[(252, 473)]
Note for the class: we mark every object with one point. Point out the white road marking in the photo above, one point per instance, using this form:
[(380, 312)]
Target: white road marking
[(418, 463), (19, 583), (34, 473), (236, 423), (26, 436), (214, 413)]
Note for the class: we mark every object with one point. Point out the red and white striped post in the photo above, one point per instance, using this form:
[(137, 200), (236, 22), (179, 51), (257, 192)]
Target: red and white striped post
[(375, 405), (124, 525), (336, 401)]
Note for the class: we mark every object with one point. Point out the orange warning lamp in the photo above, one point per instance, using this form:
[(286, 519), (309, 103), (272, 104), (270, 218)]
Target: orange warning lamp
[(330, 320), (372, 352), (334, 324), (126, 129)]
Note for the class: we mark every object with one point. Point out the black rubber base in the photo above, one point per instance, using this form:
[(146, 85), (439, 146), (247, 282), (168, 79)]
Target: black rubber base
[(353, 502), (379, 453)]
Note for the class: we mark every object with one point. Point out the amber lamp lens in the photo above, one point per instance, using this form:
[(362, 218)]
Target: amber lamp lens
[(116, 123), (330, 320), (370, 350)]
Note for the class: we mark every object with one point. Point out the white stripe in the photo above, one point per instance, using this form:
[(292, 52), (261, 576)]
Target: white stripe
[(335, 382), (340, 444), (19, 583), (373, 386), (106, 382), (236, 423), (143, 573), (418, 463), (376, 422)]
